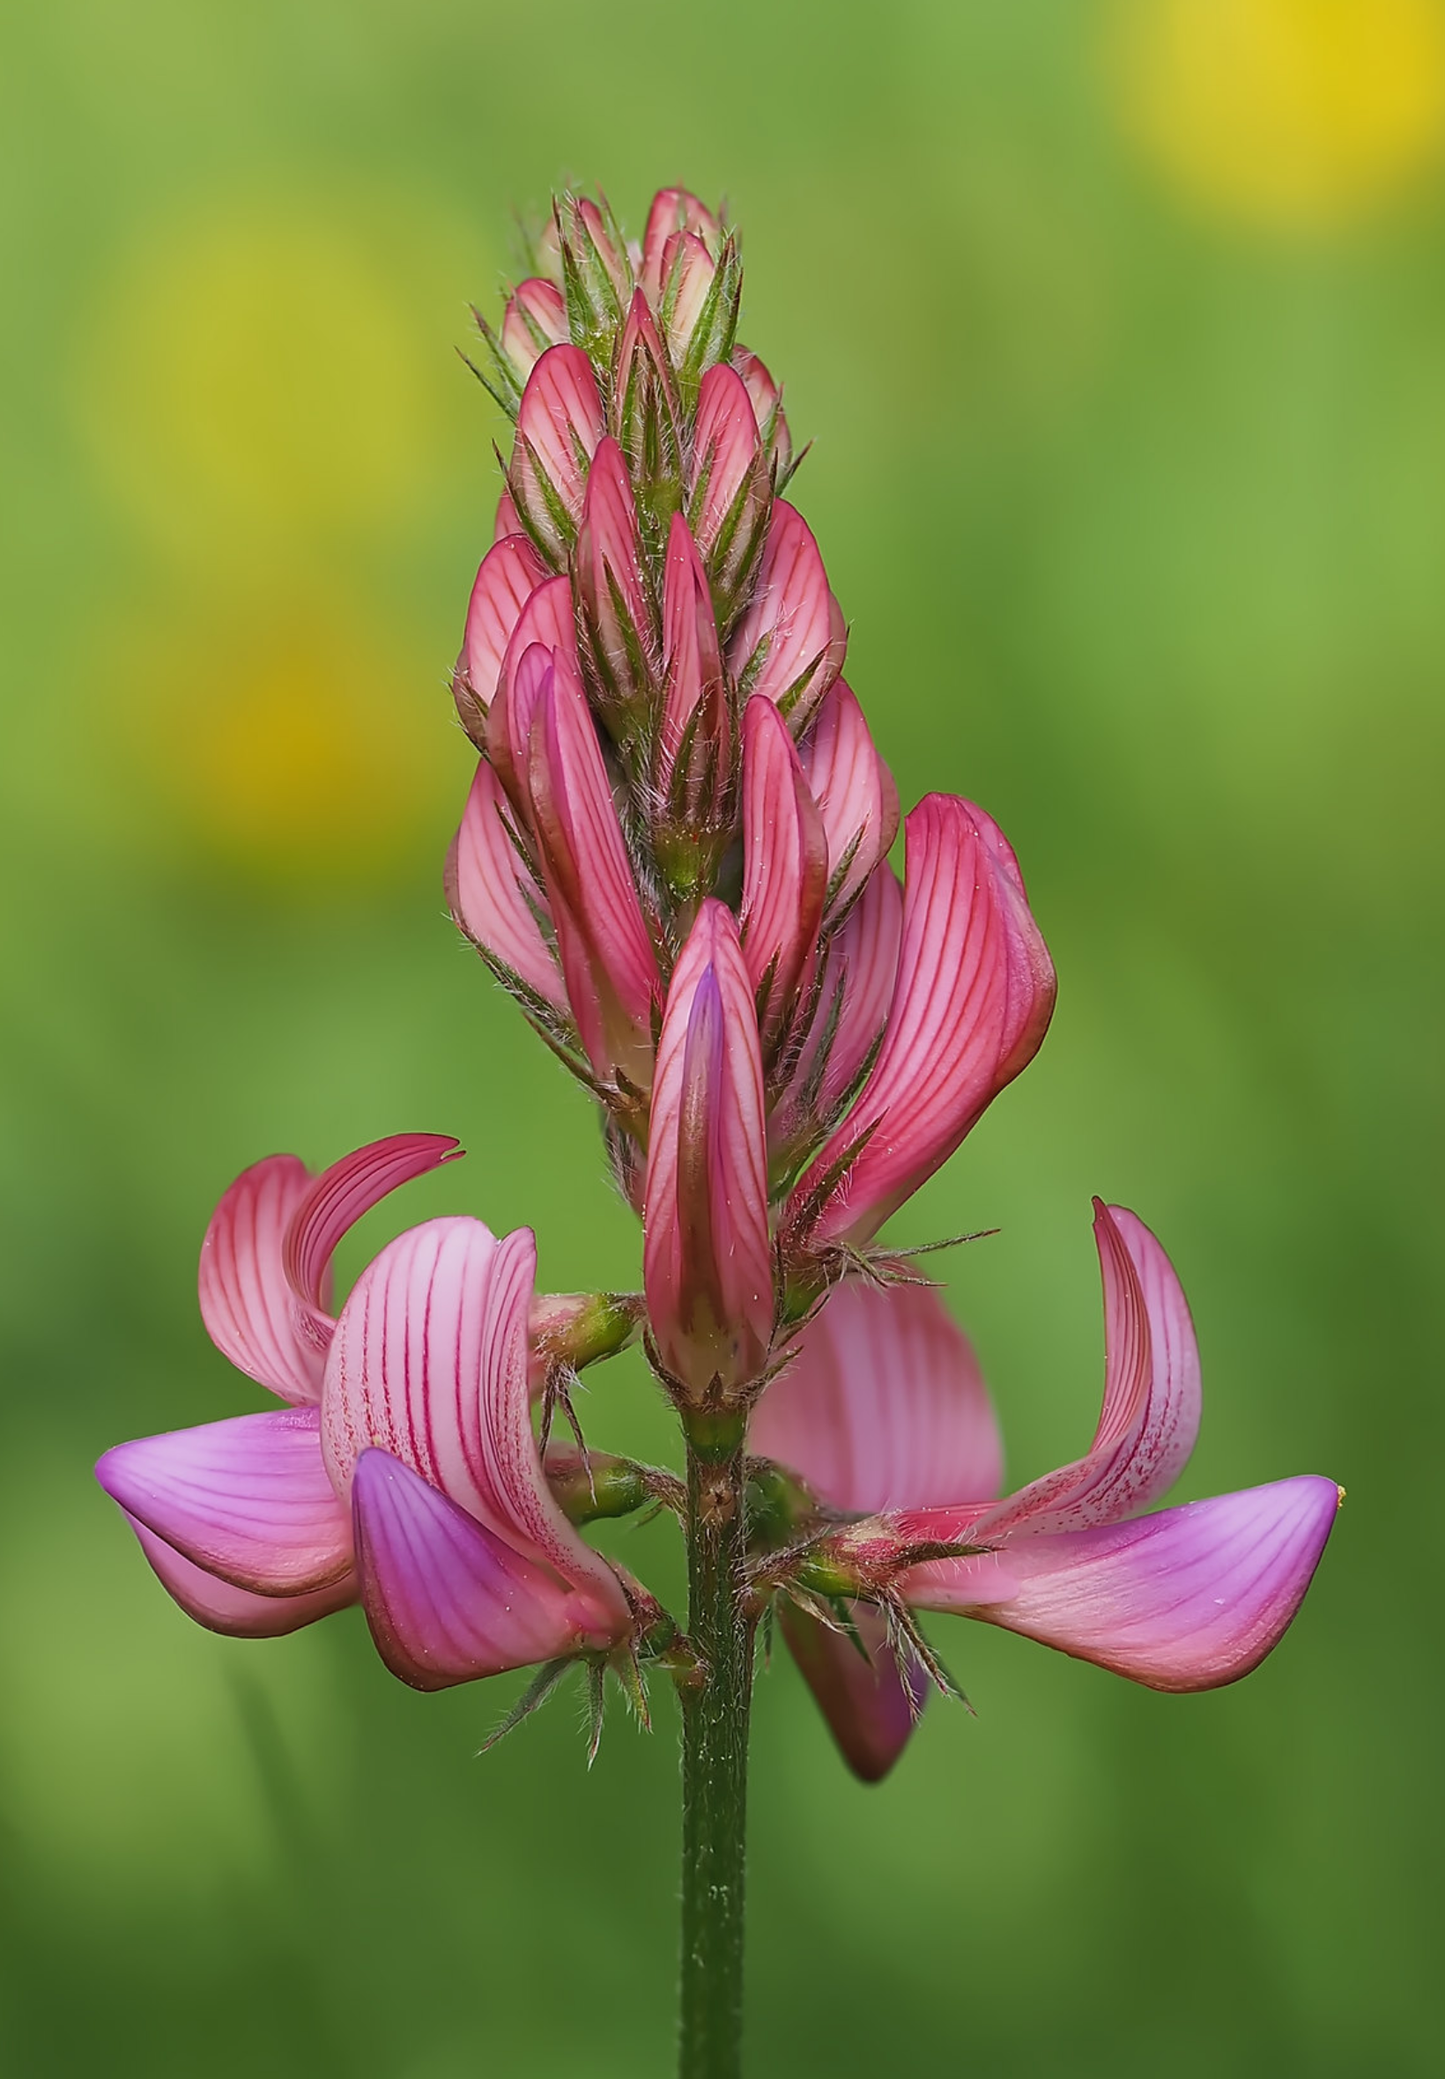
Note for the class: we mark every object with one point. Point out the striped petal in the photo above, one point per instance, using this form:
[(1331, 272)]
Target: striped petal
[(871, 1705), (246, 1298), (430, 1364), (854, 790), (559, 423), (1191, 1598), (611, 587), (494, 898), (247, 1500), (972, 1001), (236, 1612), (789, 645), (446, 1598), (884, 1405), (510, 573), (785, 866), (767, 402), (707, 1260), (672, 210), (535, 319), (548, 621), (730, 493)]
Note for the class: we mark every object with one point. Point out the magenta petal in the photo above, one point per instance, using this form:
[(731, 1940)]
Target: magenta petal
[(789, 645), (247, 1499), (672, 210), (871, 1705), (559, 423), (707, 1256), (511, 572), (235, 1611), (246, 1299), (446, 1598), (494, 898), (430, 1363), (854, 790), (785, 864), (884, 1406), (729, 482), (535, 318), (610, 581), (1191, 1598)]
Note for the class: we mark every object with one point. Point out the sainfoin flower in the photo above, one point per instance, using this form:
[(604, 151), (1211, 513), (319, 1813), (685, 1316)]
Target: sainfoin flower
[(676, 855), (884, 1413)]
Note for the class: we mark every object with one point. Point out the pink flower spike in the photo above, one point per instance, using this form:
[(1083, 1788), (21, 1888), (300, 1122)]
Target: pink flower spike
[(246, 1500), (767, 403), (1188, 1599), (785, 865), (494, 899), (607, 957), (707, 1258), (673, 210), (511, 571), (871, 1705), (972, 1001), (235, 1612), (262, 1301), (559, 423), (611, 590), (883, 1406), (430, 1365), (854, 791), (446, 1598), (789, 645), (535, 319)]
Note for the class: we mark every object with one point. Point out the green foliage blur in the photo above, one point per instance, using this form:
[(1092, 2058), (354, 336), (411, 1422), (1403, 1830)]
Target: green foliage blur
[(1126, 386)]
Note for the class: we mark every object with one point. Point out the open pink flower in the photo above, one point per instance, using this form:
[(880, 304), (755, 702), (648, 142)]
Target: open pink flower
[(466, 1564), (1186, 1599), (238, 1517)]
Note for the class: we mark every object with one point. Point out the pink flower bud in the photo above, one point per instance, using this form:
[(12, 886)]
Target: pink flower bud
[(730, 496), (785, 866), (603, 943), (707, 1259), (616, 619), (789, 645), (767, 402), (673, 210), (511, 571), (973, 998), (854, 791), (548, 619), (494, 897), (535, 319), (695, 751), (559, 424), (646, 414)]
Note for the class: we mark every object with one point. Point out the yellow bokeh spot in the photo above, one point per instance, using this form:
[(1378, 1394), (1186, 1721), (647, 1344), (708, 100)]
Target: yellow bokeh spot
[(1292, 115), (261, 373)]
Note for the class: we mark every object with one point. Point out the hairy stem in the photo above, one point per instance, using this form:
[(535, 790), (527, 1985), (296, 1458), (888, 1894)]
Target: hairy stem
[(714, 1755)]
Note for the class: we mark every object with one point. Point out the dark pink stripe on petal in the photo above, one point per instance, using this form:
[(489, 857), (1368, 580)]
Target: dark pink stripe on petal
[(493, 897), (246, 1299)]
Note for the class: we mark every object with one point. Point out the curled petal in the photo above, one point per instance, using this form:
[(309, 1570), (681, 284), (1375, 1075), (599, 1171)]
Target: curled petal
[(673, 210), (236, 1612), (446, 1598), (883, 1406), (247, 1302), (785, 864), (871, 1705), (247, 1500), (559, 423), (973, 998), (430, 1364), (511, 571), (707, 1260), (1150, 1416), (789, 644), (854, 790), (494, 898), (1191, 1598), (535, 319)]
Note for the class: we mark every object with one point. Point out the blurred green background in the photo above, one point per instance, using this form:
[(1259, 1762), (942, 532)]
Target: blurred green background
[(1121, 332)]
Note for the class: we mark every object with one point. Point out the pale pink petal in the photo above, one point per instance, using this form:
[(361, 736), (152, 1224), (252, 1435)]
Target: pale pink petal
[(884, 1406), (673, 210), (246, 1299), (535, 318), (1150, 1416), (1188, 1599), (494, 898), (871, 1705), (707, 1259), (430, 1363), (972, 1001), (785, 864), (616, 616), (248, 1500), (789, 645), (767, 403), (511, 571), (854, 790), (559, 423), (446, 1598), (236, 1612)]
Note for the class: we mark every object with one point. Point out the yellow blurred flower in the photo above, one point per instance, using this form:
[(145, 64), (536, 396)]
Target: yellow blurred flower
[(1292, 115)]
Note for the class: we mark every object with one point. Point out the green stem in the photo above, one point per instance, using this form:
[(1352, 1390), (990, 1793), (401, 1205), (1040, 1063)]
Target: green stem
[(714, 1756)]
